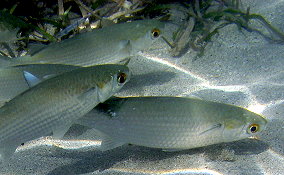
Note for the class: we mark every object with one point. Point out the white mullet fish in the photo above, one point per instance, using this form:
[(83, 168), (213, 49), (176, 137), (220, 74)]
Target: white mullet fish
[(107, 45), (13, 80), (170, 123), (52, 105)]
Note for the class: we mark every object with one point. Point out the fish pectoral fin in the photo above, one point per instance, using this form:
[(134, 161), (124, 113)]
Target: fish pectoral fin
[(125, 61), (31, 79), (7, 151), (108, 143), (172, 150), (87, 94), (2, 103), (216, 126), (59, 132), (124, 44), (125, 47), (194, 96)]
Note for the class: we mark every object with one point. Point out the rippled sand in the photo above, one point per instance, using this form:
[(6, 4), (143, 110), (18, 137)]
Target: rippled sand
[(237, 68)]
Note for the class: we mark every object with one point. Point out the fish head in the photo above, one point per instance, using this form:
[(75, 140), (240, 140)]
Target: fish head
[(255, 123), (112, 79), (142, 34), (243, 125)]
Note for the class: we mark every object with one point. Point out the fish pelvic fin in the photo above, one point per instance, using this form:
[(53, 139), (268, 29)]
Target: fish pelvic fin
[(108, 142), (63, 126), (60, 131)]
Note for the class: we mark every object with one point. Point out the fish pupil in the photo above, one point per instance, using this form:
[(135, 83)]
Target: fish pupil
[(155, 34), (253, 129), (121, 78)]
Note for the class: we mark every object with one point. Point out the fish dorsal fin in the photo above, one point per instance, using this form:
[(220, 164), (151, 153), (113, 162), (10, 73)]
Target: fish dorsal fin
[(31, 79), (108, 143), (216, 126)]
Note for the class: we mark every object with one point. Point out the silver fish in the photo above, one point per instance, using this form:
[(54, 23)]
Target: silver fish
[(107, 45), (13, 82), (52, 105), (170, 123)]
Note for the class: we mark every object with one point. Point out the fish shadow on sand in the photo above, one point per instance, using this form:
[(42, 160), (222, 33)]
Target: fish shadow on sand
[(229, 151), (90, 161), (148, 79)]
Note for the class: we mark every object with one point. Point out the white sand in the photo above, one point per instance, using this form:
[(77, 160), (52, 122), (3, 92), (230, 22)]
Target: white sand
[(237, 68)]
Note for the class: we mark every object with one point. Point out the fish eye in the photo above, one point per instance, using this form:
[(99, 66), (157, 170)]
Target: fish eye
[(156, 33), (253, 128), (121, 78)]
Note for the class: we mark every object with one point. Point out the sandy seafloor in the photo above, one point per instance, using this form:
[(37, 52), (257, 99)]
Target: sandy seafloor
[(239, 68)]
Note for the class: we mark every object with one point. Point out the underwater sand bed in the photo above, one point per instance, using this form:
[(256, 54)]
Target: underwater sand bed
[(237, 68)]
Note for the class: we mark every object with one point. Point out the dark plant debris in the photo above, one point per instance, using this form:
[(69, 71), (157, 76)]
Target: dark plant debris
[(55, 20), (212, 15)]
